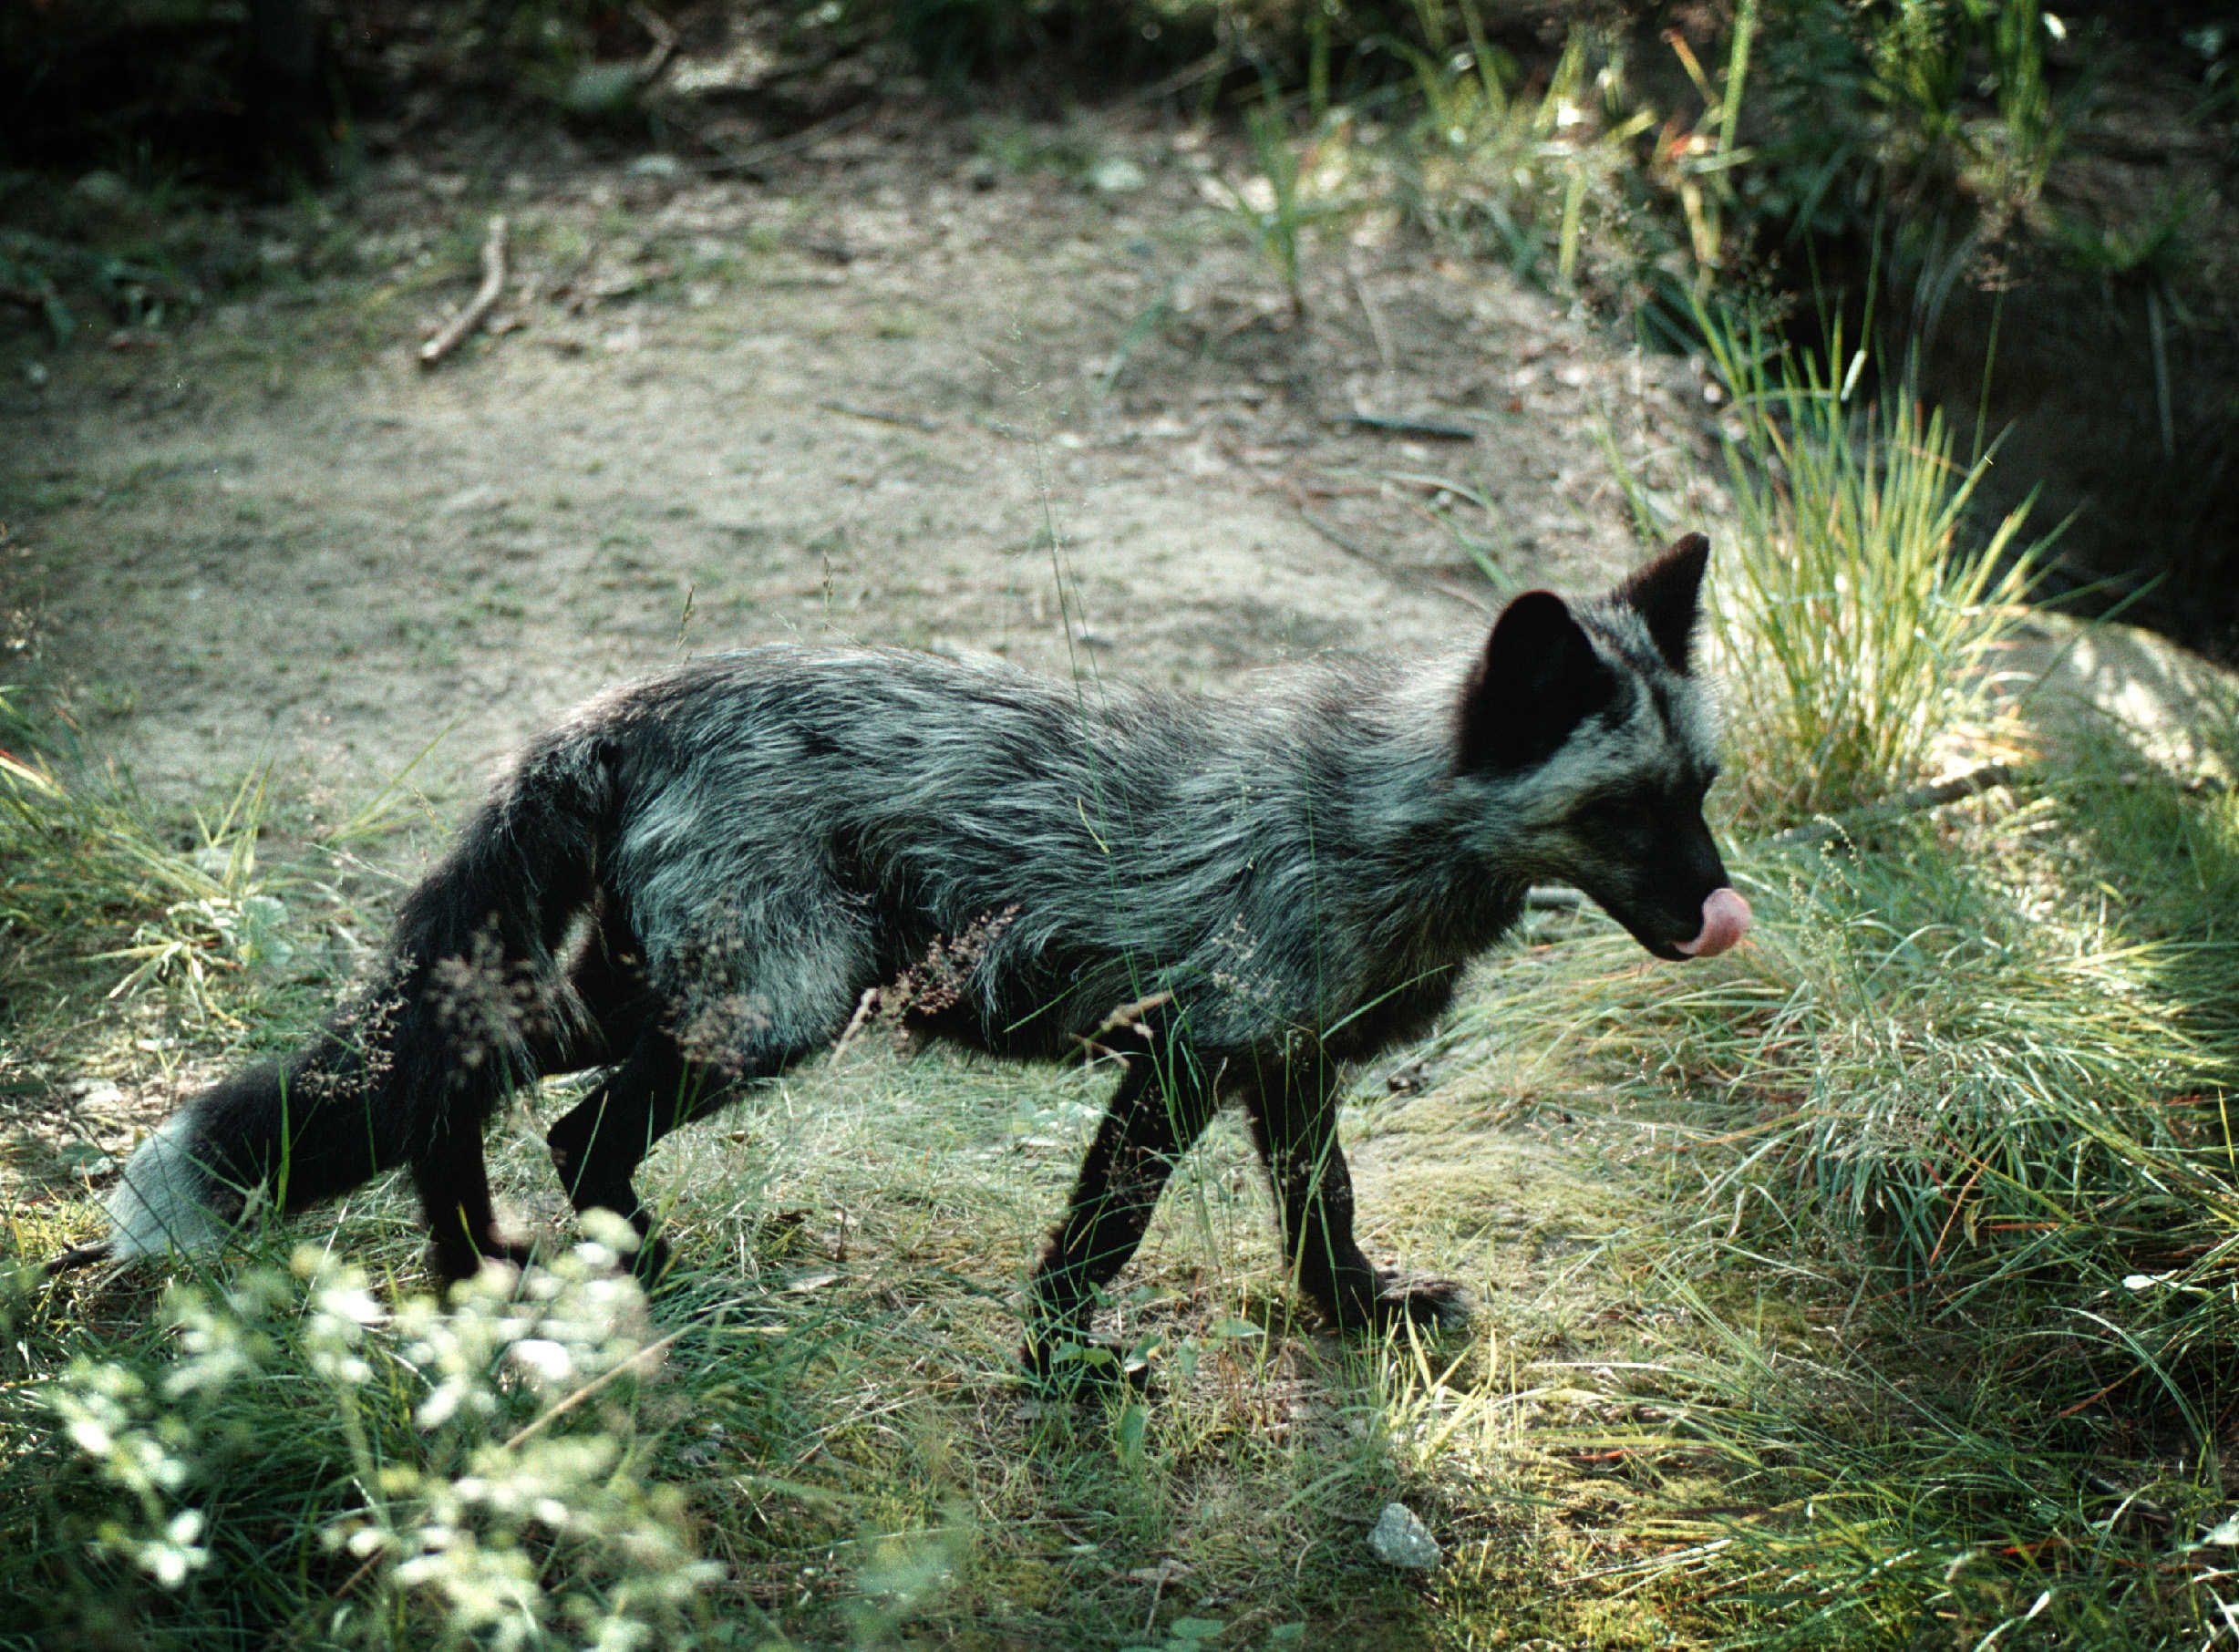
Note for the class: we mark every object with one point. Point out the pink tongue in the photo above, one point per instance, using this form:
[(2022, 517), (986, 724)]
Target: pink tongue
[(1726, 919)]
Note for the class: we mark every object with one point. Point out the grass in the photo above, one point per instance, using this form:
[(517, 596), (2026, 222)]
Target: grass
[(1956, 1219), (1859, 607), (1871, 1285), (1492, 163), (1875, 1285), (86, 850)]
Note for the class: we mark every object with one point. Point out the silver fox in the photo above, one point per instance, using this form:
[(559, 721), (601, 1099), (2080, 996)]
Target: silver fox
[(712, 873)]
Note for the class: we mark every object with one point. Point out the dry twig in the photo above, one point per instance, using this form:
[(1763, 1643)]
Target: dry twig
[(1438, 429), (479, 306), (664, 43), (879, 415)]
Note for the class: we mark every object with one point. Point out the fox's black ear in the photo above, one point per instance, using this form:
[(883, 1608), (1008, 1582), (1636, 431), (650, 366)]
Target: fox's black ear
[(1666, 592), (1537, 680)]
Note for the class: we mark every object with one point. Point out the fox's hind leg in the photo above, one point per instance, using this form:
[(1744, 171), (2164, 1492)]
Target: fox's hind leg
[(598, 1145), (744, 977), (453, 1183), (604, 1014), (1156, 1116), (1294, 1117)]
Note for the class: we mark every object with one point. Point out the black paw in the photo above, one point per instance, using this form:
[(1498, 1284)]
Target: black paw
[(1376, 1299), (1419, 1299), (450, 1264)]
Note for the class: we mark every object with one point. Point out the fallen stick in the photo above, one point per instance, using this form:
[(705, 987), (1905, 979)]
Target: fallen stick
[(750, 159), (880, 416), (479, 306), (664, 43), (1329, 532), (1438, 429)]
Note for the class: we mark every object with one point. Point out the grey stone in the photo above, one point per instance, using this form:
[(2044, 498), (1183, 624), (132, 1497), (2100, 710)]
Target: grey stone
[(1400, 1539)]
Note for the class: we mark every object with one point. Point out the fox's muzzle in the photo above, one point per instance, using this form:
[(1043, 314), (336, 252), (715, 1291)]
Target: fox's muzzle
[(1726, 919)]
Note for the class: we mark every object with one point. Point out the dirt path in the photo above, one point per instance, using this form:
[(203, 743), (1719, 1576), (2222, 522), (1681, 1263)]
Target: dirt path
[(854, 399)]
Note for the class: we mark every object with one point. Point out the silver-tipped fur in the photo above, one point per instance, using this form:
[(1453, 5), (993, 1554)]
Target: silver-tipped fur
[(710, 874), (165, 1199)]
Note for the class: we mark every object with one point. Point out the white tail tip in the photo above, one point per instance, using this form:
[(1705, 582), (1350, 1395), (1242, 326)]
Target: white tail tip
[(1726, 919), (162, 1201)]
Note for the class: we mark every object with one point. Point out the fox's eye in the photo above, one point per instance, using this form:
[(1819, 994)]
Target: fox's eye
[(1615, 814)]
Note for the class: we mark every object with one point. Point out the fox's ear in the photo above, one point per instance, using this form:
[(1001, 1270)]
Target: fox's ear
[(1537, 680), (1666, 592)]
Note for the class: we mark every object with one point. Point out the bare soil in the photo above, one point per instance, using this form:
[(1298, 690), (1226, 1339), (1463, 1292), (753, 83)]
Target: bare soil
[(904, 393), (921, 386), (927, 382)]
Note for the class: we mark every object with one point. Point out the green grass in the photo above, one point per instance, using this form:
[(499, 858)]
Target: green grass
[(1867, 1287), (167, 905), (1875, 1285), (1857, 606)]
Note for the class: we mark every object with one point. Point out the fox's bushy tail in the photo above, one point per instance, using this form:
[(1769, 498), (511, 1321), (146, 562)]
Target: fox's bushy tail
[(471, 984)]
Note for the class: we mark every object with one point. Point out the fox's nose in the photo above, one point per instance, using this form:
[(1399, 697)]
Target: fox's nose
[(1726, 919)]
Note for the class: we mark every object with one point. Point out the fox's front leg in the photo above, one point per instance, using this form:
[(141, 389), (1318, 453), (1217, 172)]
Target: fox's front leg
[(1293, 1116), (1153, 1121)]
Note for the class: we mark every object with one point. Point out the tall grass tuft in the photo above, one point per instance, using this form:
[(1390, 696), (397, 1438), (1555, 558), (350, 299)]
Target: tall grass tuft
[(1495, 166), (1857, 611), (83, 854)]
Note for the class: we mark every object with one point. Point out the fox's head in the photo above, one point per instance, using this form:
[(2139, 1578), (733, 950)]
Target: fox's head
[(1595, 743)]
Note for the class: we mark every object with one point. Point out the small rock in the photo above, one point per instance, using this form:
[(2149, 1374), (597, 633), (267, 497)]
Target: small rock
[(601, 88), (1400, 1539), (103, 189), (1116, 175), (482, 496), (655, 166)]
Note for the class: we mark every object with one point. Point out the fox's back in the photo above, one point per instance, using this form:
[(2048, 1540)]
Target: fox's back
[(1097, 843)]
